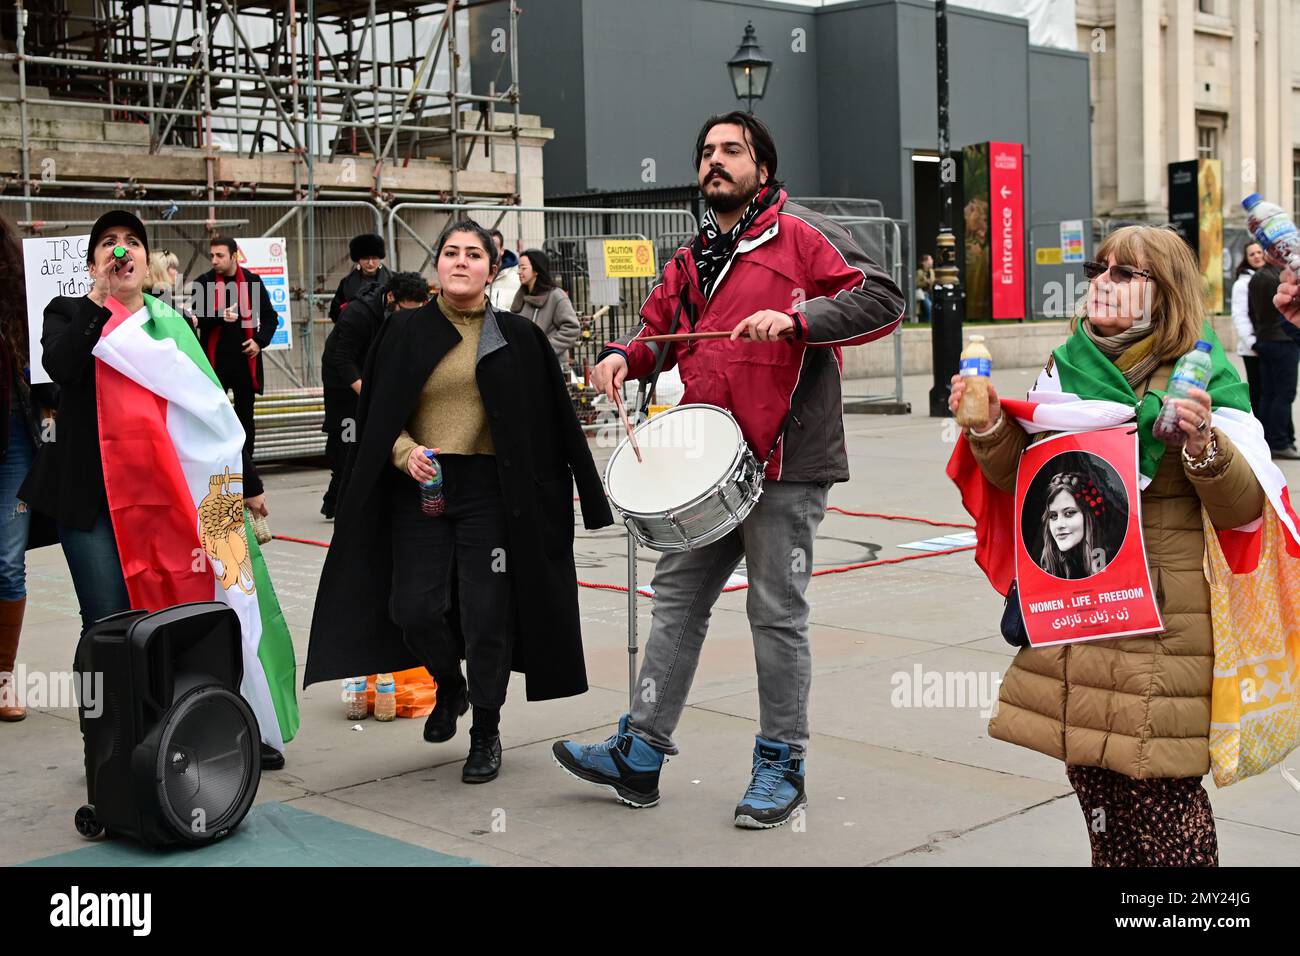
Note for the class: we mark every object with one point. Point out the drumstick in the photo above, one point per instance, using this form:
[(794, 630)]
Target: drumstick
[(622, 414), (687, 337)]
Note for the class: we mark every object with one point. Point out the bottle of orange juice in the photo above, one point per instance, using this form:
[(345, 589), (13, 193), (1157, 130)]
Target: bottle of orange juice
[(976, 367)]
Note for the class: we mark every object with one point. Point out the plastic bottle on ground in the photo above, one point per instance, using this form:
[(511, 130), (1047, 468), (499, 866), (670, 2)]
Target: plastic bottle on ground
[(385, 697), (355, 705)]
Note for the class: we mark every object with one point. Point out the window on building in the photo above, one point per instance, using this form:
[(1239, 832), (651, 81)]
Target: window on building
[(1208, 6), (1207, 140), (1295, 186)]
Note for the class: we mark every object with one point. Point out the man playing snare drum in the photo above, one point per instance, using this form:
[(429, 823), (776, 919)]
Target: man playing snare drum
[(792, 287)]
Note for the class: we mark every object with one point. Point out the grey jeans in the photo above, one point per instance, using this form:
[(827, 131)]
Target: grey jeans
[(776, 541)]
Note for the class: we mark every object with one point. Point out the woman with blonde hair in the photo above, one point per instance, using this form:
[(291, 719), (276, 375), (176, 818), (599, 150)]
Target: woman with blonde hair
[(164, 267), (1130, 717)]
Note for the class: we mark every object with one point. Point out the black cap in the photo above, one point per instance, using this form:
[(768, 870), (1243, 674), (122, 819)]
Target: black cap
[(366, 244), (115, 217)]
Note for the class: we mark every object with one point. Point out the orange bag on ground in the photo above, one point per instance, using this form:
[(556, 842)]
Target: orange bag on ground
[(417, 692)]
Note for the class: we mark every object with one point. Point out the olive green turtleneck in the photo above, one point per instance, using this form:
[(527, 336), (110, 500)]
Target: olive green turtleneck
[(450, 415)]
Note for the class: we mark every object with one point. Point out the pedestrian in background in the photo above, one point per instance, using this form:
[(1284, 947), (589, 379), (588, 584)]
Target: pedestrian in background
[(925, 283), (1252, 259), (367, 252), (1277, 343), (545, 304), (343, 359)]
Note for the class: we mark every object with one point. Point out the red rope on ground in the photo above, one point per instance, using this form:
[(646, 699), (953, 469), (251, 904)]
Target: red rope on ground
[(877, 514), (874, 514), (622, 588), (285, 537)]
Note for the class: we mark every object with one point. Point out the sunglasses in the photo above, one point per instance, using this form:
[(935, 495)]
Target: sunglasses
[(1118, 274)]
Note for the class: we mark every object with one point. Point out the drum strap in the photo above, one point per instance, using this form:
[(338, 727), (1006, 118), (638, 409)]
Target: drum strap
[(781, 432), (777, 444), (663, 355)]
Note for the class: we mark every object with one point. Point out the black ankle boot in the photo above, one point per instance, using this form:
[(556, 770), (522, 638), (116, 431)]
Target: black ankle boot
[(272, 759), (452, 703), (484, 760)]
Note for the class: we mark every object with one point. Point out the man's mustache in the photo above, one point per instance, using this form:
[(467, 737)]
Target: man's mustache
[(720, 173)]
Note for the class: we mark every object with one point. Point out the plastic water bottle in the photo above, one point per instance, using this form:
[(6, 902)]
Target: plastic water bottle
[(1192, 371), (385, 697), (976, 367), (431, 500), (1272, 227), (354, 698), (262, 529)]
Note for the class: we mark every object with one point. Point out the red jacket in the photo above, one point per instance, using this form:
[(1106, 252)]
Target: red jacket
[(792, 260)]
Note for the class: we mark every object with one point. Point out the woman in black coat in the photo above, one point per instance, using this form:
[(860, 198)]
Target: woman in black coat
[(493, 578)]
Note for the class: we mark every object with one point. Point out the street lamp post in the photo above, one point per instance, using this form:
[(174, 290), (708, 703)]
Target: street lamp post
[(749, 69), (947, 294)]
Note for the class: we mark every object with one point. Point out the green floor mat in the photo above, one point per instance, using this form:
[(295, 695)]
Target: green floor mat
[(273, 834)]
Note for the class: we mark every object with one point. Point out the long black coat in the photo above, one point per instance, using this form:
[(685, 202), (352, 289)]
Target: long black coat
[(540, 452)]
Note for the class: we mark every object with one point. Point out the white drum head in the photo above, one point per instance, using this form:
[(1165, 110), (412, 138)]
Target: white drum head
[(686, 451)]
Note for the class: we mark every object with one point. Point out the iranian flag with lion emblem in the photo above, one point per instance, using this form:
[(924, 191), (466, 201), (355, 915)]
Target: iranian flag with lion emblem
[(172, 450)]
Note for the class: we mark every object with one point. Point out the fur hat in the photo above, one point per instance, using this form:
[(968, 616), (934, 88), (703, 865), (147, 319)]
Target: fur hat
[(366, 244)]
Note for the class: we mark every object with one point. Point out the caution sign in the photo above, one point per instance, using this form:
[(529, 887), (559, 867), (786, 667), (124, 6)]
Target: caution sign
[(1048, 256), (629, 258)]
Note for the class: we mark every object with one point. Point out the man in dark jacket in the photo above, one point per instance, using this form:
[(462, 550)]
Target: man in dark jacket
[(343, 359), (367, 253), (792, 287), (1279, 359), (236, 322)]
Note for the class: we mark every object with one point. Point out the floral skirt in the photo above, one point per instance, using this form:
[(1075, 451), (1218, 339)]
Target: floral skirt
[(1163, 821)]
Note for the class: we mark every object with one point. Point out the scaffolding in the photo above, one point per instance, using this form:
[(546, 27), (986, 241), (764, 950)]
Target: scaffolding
[(304, 119), (301, 81)]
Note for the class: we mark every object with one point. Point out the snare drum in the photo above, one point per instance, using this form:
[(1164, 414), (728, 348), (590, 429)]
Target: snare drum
[(697, 480)]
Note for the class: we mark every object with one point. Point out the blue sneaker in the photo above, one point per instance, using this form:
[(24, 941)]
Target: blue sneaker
[(624, 764), (775, 790)]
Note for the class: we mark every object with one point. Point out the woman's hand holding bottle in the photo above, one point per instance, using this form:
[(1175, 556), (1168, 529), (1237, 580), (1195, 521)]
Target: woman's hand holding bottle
[(959, 389), (418, 465)]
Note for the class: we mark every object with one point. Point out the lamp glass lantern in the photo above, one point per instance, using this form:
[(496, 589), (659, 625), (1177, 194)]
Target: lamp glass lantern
[(749, 69)]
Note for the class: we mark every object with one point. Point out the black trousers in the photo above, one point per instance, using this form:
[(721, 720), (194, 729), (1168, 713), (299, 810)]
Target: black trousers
[(1253, 382), (336, 453), (239, 383), (1278, 364), (463, 549)]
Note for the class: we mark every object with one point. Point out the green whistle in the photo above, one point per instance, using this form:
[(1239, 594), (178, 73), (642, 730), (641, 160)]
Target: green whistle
[(119, 252)]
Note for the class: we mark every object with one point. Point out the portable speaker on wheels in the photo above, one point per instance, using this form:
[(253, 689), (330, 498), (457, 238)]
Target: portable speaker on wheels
[(172, 750)]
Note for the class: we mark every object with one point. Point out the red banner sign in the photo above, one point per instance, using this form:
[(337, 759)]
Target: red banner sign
[(1007, 229), (1081, 562)]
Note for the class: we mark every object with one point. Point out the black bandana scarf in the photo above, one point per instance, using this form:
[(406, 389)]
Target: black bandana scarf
[(712, 249)]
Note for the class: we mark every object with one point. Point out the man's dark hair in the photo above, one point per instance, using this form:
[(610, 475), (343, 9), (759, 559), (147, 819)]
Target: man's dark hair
[(497, 234), (469, 225), (762, 147), (226, 241), (408, 287)]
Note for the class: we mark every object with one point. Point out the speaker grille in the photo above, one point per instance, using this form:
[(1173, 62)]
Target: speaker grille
[(207, 761)]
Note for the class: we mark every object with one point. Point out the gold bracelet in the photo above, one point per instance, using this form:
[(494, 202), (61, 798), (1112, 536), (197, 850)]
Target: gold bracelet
[(990, 430), (1206, 457)]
